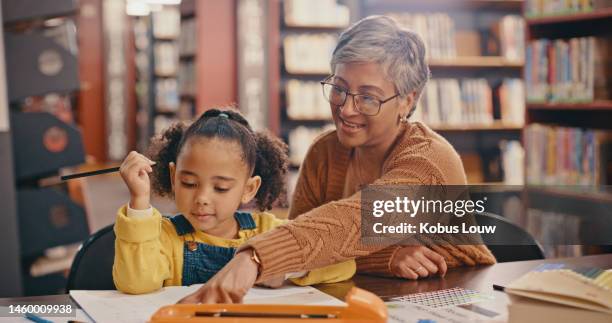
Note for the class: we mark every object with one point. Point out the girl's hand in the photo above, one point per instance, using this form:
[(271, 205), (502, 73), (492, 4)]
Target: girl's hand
[(135, 171), (412, 262), (230, 284)]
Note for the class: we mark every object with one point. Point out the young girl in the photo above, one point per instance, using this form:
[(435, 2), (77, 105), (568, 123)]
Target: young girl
[(210, 168)]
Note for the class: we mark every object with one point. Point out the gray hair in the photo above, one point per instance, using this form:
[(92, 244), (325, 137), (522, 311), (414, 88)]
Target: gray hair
[(400, 52)]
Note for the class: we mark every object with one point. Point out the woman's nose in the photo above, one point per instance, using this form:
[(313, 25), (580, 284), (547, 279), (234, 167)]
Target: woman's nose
[(349, 109)]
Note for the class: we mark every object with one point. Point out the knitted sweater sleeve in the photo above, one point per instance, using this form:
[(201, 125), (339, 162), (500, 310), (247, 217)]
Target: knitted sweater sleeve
[(330, 233)]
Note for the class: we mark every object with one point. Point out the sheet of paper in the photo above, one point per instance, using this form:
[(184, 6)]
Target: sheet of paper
[(114, 306), (492, 311)]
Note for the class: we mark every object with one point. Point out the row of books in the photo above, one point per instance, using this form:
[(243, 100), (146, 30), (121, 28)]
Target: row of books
[(187, 78), (187, 39), (513, 157), (308, 53), (567, 156), (509, 34), (573, 70), (166, 59), (167, 95), (436, 29), (537, 8), (166, 23), (300, 139), (326, 13), (305, 101), (462, 102)]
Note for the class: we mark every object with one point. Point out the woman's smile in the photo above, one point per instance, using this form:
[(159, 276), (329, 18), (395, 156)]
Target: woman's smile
[(349, 127)]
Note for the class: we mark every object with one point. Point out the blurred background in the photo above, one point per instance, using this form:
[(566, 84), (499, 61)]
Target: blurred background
[(521, 88)]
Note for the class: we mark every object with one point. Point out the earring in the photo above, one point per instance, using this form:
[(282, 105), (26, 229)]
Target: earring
[(404, 119)]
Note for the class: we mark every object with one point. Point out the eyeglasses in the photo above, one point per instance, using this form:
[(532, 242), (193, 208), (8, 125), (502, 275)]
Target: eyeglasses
[(366, 104)]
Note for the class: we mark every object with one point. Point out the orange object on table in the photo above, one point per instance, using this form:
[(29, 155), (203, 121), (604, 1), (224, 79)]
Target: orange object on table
[(362, 306)]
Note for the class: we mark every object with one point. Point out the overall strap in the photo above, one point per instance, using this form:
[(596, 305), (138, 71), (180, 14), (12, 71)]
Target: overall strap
[(245, 220), (181, 224)]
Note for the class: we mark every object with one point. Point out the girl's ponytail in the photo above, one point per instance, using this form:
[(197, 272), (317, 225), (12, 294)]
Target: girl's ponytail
[(164, 150), (271, 165)]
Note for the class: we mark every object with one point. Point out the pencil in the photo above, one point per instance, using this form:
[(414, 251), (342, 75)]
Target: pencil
[(92, 173), (266, 315)]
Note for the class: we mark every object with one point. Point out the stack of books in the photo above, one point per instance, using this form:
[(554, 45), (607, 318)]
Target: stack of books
[(561, 295)]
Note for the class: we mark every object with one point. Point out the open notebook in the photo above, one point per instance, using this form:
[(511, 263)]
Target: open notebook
[(114, 306), (563, 292)]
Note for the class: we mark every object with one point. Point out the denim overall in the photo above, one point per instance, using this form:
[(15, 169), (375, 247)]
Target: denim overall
[(203, 263)]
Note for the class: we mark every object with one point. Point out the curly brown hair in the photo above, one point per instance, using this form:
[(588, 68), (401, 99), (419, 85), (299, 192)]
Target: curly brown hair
[(264, 154)]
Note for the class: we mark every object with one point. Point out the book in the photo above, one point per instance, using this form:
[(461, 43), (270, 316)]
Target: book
[(561, 295), (567, 156), (568, 71)]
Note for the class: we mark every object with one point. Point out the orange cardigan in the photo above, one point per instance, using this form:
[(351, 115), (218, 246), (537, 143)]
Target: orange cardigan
[(327, 223)]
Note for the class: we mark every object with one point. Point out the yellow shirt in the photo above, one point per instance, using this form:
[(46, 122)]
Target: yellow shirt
[(149, 252)]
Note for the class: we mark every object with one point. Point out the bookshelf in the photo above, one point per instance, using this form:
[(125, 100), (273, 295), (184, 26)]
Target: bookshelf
[(475, 62), (604, 105), (568, 137), (479, 54), (306, 41), (382, 6)]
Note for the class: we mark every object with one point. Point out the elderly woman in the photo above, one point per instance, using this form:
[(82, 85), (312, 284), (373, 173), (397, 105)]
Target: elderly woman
[(379, 71)]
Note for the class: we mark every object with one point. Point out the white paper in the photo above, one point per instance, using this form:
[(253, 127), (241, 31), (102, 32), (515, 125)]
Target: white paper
[(113, 306), (495, 309)]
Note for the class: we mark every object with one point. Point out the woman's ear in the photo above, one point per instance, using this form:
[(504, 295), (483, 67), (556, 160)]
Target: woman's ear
[(407, 104), (250, 189), (172, 168)]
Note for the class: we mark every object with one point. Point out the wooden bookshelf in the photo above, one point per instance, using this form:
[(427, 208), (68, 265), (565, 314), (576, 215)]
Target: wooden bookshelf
[(586, 200), (596, 105), (468, 139), (495, 126), (601, 14), (313, 28), (571, 192), (444, 5), (475, 62), (307, 73), (573, 25)]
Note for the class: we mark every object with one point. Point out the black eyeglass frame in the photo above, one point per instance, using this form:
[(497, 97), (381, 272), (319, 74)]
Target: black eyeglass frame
[(380, 102)]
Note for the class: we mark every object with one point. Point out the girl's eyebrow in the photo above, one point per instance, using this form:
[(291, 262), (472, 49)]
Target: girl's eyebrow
[(186, 172), (224, 178), (218, 177)]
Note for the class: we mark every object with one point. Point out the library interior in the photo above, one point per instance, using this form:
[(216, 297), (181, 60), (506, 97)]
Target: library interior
[(512, 102)]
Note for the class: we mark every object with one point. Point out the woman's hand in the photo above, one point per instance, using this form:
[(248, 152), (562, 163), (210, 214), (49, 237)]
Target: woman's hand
[(230, 284), (135, 171), (412, 262), (274, 282)]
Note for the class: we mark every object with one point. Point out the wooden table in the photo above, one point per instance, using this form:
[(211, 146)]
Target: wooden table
[(477, 278)]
